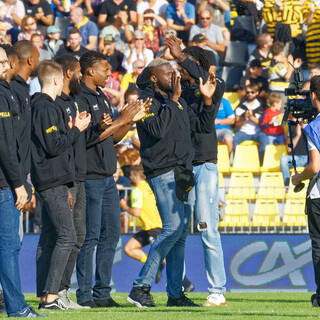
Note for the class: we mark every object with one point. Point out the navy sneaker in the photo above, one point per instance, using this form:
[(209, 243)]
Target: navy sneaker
[(315, 300), (27, 313), (106, 303), (182, 301), (141, 297)]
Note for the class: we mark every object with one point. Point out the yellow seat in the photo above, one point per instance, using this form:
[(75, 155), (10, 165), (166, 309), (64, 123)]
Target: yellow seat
[(233, 98), (220, 177), (223, 159), (297, 195), (271, 186), (294, 215), (249, 143), (236, 214), (246, 159), (266, 214), (241, 186), (272, 155)]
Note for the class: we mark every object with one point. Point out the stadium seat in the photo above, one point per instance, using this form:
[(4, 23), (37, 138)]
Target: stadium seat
[(233, 98), (223, 159), (294, 215), (271, 186), (266, 214), (272, 155), (246, 159), (232, 76), (62, 23), (297, 195), (221, 183), (241, 187), (236, 54), (236, 214), (249, 143)]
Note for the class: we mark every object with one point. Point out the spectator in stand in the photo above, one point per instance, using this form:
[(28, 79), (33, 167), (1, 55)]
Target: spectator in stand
[(255, 75), (37, 41), (129, 79), (151, 32), (112, 89), (159, 8), (120, 30), (311, 17), (41, 11), (281, 68), (270, 121), (63, 8), (110, 8), (225, 118), (215, 40), (28, 28), (11, 14), (137, 51), (73, 46), (87, 28), (114, 56), (53, 43), (262, 52), (248, 114), (181, 16), (5, 38), (314, 70), (218, 9)]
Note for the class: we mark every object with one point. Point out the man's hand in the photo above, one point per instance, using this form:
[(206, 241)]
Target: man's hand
[(105, 121), (143, 110), (296, 179), (123, 15), (174, 45), (129, 111), (82, 120), (208, 89), (22, 197), (176, 86)]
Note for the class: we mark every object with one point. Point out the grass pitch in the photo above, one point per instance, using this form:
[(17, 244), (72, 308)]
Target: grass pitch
[(244, 306)]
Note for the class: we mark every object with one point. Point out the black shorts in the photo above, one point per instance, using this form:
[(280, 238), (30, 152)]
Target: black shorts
[(146, 237)]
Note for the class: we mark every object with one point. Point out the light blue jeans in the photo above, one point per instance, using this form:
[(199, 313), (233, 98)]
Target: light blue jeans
[(170, 243), (286, 164), (204, 198)]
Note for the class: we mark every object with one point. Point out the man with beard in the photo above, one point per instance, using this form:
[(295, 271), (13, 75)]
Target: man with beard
[(102, 198), (14, 197), (167, 154), (52, 172)]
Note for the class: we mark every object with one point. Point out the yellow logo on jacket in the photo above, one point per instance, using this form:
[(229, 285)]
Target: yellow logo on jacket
[(5, 114), (51, 129)]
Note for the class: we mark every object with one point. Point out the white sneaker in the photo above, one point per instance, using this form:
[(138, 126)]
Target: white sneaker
[(70, 304), (215, 300)]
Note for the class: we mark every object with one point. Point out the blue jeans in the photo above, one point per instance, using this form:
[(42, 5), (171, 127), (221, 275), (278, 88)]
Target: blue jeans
[(170, 242), (286, 164), (204, 196), (275, 138), (103, 231), (9, 254)]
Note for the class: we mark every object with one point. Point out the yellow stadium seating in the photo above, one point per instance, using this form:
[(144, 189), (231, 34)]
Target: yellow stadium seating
[(249, 143), (271, 186), (294, 215), (297, 195), (241, 186), (223, 159), (266, 214), (221, 183), (246, 159), (233, 98), (272, 155), (236, 214)]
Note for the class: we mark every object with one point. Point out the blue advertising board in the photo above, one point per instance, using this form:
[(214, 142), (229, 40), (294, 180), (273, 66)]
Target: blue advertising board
[(253, 263)]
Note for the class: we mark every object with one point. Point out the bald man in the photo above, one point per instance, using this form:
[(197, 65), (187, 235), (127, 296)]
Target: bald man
[(87, 28)]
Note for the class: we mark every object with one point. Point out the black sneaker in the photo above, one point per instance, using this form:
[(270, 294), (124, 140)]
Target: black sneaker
[(54, 305), (187, 285), (183, 301), (315, 300), (89, 303), (106, 303), (27, 313), (141, 297), (159, 273)]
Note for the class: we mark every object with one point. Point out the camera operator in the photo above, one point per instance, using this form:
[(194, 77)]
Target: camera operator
[(312, 131)]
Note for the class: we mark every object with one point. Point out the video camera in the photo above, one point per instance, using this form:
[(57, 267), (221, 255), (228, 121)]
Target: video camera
[(300, 108)]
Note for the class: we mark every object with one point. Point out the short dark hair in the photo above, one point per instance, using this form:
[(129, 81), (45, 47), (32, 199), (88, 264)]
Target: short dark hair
[(199, 55), (130, 92), (89, 59), (277, 48), (9, 50), (138, 170), (24, 49), (315, 86), (67, 62), (74, 30), (314, 65)]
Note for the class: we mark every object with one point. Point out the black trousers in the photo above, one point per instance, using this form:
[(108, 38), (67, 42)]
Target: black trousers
[(313, 207), (78, 193), (57, 240)]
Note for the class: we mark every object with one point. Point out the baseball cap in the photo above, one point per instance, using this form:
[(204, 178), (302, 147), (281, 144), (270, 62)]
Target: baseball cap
[(255, 63), (199, 38), (109, 38), (53, 29)]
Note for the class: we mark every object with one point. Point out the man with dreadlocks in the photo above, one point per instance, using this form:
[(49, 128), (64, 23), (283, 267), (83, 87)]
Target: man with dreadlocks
[(204, 195)]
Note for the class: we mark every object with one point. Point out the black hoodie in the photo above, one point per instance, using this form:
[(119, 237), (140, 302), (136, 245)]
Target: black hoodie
[(52, 161)]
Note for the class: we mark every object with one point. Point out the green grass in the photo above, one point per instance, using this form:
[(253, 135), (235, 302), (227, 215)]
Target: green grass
[(240, 306)]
